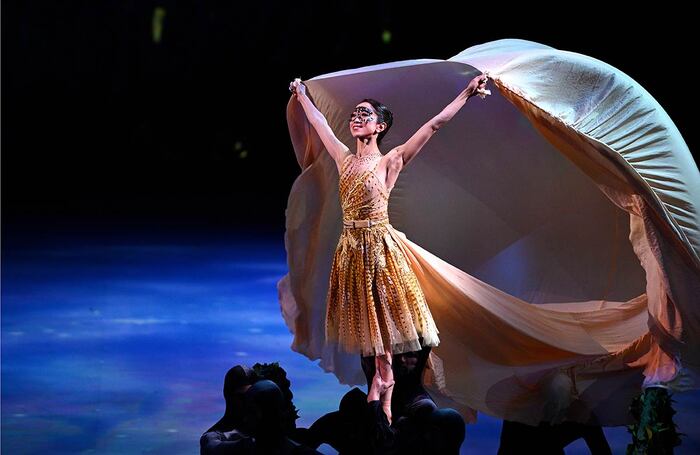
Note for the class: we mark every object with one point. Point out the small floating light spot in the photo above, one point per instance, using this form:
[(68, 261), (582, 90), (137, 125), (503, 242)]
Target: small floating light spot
[(386, 36), (157, 24)]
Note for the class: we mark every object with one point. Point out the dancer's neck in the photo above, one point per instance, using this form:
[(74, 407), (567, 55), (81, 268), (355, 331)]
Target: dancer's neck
[(364, 149)]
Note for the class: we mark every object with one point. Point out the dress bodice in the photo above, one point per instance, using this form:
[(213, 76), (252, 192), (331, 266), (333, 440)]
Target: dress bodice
[(363, 195)]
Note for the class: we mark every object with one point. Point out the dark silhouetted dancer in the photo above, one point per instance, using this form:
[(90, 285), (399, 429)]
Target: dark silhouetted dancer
[(255, 422), (265, 420), (237, 380), (548, 439), (360, 426)]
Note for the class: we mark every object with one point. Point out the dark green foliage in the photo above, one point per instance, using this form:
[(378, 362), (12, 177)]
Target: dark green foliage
[(653, 432)]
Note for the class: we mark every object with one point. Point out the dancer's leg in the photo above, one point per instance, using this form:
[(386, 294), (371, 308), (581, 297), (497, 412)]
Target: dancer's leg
[(381, 366), (384, 369)]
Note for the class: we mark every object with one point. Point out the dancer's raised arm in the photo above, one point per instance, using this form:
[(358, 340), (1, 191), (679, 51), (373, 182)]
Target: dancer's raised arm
[(333, 145), (412, 146)]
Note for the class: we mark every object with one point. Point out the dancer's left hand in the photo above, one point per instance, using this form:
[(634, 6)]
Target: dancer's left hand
[(477, 86)]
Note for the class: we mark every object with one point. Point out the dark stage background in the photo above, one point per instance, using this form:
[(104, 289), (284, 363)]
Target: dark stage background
[(102, 121), (146, 166)]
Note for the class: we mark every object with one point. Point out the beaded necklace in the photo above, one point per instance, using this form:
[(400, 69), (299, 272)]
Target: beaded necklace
[(366, 158)]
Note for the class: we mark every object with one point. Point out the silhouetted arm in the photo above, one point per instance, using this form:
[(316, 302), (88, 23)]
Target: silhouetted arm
[(383, 438), (218, 443)]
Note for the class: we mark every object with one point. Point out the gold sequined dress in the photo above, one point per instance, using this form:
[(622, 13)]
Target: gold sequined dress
[(374, 301)]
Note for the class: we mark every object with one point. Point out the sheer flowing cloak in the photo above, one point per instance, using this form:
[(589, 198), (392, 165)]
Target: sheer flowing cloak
[(553, 227)]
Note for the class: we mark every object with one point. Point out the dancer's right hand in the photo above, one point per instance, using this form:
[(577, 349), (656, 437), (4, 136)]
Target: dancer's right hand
[(297, 87)]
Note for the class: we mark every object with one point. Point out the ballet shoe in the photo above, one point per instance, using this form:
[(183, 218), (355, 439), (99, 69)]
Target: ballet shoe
[(387, 411), (386, 403)]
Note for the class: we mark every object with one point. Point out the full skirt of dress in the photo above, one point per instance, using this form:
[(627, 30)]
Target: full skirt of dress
[(375, 302)]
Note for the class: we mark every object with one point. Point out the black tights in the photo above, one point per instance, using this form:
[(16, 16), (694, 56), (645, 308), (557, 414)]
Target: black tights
[(409, 396)]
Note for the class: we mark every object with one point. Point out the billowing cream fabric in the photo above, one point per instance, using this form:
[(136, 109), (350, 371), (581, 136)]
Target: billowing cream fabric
[(553, 227)]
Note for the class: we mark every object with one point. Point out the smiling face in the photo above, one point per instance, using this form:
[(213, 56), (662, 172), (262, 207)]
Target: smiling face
[(363, 120)]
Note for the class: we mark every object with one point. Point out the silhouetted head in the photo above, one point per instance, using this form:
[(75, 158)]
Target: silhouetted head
[(353, 404), (446, 430), (237, 380), (405, 362), (370, 117), (264, 404)]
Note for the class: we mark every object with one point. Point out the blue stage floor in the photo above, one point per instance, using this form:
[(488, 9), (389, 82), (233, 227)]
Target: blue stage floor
[(117, 341)]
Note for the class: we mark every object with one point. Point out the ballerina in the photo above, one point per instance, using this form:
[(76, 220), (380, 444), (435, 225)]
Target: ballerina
[(375, 305), (543, 313)]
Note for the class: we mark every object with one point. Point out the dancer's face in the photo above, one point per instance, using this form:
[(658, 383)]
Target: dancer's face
[(363, 119)]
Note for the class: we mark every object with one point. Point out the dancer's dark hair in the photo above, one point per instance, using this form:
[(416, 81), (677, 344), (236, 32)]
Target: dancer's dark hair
[(383, 115)]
